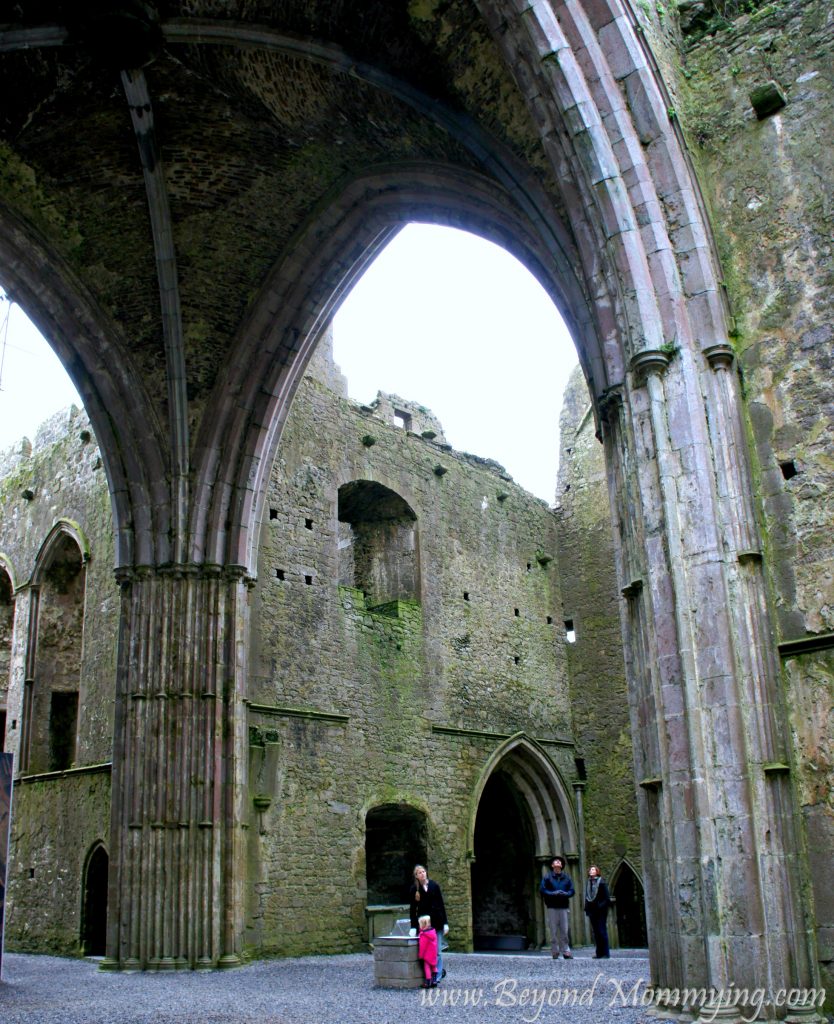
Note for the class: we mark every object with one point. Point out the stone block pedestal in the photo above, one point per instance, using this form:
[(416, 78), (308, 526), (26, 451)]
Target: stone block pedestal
[(396, 964)]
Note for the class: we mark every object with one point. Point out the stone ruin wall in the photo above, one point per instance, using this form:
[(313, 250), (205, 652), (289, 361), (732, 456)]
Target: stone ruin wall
[(768, 186), (392, 672), (443, 661), (595, 661), (59, 817)]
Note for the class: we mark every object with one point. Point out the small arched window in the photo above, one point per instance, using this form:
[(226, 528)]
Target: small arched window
[(377, 543)]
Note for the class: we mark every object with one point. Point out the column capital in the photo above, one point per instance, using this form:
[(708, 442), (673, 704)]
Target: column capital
[(126, 574), (720, 356), (650, 360)]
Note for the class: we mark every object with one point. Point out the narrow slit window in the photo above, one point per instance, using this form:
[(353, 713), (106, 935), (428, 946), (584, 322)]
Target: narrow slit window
[(516, 612), (281, 575), (466, 595), (789, 469), (308, 524), (308, 580), (273, 513), (570, 632)]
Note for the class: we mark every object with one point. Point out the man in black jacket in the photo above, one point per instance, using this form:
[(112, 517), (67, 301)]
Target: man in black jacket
[(557, 888)]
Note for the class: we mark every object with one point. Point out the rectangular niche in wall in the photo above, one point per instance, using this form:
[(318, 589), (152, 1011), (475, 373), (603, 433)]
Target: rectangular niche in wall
[(63, 715)]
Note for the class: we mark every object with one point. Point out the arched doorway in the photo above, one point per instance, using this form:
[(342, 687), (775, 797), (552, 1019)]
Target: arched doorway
[(503, 873), (94, 909), (629, 908), (521, 815), (395, 840)]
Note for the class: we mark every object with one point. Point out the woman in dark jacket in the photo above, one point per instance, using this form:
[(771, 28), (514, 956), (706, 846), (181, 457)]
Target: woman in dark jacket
[(426, 898), (597, 901)]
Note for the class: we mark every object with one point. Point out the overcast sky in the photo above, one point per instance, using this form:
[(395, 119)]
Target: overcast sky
[(441, 318)]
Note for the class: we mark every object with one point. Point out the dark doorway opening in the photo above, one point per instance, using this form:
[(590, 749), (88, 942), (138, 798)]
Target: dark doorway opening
[(395, 840), (503, 873), (631, 909), (94, 916)]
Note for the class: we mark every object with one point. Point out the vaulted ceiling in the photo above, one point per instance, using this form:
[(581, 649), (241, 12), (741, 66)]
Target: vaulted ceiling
[(259, 113), (189, 189)]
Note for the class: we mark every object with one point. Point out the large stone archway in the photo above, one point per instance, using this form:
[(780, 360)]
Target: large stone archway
[(185, 282)]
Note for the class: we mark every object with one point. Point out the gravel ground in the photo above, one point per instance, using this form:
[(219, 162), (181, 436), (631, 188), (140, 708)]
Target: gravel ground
[(325, 990)]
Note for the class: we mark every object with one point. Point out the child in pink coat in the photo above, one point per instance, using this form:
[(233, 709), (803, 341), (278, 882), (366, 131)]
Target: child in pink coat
[(427, 951)]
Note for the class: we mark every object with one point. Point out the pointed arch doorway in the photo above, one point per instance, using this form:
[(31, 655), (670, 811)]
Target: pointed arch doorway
[(521, 816), (94, 909), (629, 924)]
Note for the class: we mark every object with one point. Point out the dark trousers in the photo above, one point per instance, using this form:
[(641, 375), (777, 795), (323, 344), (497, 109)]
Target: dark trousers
[(599, 926)]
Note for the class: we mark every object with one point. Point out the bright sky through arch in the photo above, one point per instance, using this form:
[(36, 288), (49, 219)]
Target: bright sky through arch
[(455, 323), (441, 318), (33, 383)]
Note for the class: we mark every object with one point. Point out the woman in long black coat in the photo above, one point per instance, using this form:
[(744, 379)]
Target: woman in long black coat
[(597, 901), (426, 898)]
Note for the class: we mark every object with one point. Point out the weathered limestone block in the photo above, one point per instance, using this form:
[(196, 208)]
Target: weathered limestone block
[(396, 964)]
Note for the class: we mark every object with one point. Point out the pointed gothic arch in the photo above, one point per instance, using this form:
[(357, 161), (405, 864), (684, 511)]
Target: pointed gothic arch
[(96, 355), (276, 341), (94, 880), (628, 927), (54, 646), (7, 566), (61, 530), (521, 777), (647, 289)]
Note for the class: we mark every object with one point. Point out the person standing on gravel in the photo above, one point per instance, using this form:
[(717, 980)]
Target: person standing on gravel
[(597, 901), (426, 898), (557, 889)]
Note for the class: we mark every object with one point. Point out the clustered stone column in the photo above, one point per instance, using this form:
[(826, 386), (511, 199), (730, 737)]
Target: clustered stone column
[(178, 773), (775, 828), (720, 839)]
